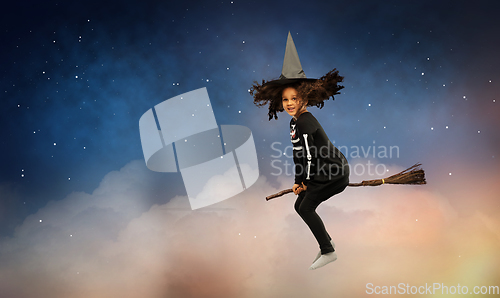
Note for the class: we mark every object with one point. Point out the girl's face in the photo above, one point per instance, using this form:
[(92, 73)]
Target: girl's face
[(292, 103)]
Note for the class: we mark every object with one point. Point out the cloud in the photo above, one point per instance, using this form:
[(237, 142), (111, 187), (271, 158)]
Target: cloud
[(111, 244)]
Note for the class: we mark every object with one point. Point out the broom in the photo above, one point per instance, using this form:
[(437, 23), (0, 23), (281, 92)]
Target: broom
[(412, 175)]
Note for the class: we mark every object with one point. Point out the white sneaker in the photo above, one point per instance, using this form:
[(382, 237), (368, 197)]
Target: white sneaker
[(319, 253), (323, 260)]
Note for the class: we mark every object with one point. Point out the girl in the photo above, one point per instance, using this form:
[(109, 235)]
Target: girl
[(321, 170)]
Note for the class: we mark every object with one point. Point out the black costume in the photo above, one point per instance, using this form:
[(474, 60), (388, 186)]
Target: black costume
[(321, 167)]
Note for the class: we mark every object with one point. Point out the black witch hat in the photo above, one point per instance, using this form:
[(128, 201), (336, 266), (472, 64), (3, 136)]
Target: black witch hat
[(314, 91), (292, 71)]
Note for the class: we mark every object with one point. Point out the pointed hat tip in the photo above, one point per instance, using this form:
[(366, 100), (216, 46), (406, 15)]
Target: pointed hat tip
[(291, 63)]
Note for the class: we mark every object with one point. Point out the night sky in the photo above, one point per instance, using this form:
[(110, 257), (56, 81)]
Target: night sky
[(82, 216)]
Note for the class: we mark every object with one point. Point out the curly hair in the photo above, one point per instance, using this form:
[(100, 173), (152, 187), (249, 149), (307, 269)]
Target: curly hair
[(315, 92)]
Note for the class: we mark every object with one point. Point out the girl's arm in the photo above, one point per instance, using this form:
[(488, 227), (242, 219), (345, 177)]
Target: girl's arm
[(307, 131), (298, 188)]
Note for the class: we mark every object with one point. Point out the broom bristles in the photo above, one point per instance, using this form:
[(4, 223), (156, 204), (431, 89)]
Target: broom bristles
[(414, 175)]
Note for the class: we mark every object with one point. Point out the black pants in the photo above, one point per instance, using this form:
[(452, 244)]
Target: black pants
[(306, 208)]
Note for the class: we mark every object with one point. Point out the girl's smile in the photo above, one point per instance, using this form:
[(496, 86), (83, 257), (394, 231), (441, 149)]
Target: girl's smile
[(292, 104)]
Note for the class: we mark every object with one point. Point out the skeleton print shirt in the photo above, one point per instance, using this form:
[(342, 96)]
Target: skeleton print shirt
[(315, 157)]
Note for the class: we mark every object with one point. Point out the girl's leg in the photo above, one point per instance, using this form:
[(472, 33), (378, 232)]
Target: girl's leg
[(306, 208), (299, 200)]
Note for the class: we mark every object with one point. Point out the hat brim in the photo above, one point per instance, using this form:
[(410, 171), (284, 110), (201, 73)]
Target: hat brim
[(282, 82)]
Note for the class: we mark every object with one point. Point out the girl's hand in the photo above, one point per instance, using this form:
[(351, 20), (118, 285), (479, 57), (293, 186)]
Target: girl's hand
[(297, 188), (304, 187)]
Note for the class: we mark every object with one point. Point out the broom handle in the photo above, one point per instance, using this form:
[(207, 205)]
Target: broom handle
[(413, 173), (289, 190), (279, 194)]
